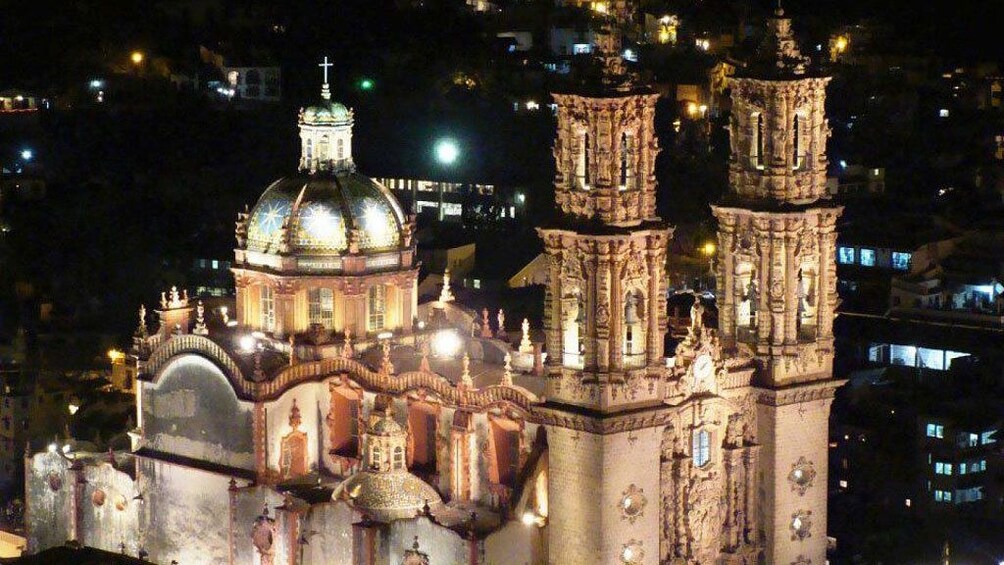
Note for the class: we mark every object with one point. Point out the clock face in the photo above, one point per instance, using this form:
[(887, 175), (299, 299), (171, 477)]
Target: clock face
[(704, 372)]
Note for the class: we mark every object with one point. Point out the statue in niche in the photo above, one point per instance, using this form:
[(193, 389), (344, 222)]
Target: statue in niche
[(263, 536), (753, 296), (697, 314), (293, 450)]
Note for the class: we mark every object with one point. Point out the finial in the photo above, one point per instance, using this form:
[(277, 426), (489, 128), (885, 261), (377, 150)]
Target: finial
[(292, 350), (200, 320), (325, 92), (294, 416), (347, 344), (507, 370), (486, 329), (465, 371), (524, 344), (163, 300), (424, 365), (446, 295), (386, 366), (501, 319), (141, 330)]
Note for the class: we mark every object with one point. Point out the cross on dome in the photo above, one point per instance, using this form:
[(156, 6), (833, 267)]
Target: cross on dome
[(325, 91)]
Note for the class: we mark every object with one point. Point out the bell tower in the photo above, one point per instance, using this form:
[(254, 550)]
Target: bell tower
[(777, 282), (605, 318)]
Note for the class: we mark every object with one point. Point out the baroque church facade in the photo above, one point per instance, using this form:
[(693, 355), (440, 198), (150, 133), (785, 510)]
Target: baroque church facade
[(335, 419)]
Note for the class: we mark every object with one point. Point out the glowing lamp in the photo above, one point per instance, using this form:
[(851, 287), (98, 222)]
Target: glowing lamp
[(446, 343), (447, 151), (27, 154), (366, 84), (385, 335), (248, 343), (115, 356), (137, 57), (66, 448), (709, 248), (53, 447), (73, 408), (841, 44)]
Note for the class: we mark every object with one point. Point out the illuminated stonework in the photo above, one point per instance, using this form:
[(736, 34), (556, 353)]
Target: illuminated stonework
[(802, 475), (632, 504), (801, 525)]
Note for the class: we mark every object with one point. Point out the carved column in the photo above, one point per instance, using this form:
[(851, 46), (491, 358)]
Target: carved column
[(552, 309), (654, 303)]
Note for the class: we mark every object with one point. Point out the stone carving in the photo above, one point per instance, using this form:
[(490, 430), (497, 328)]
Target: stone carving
[(415, 556), (801, 525), (263, 533), (802, 475), (632, 503)]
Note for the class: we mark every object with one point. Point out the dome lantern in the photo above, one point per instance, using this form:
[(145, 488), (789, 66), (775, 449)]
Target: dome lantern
[(326, 134)]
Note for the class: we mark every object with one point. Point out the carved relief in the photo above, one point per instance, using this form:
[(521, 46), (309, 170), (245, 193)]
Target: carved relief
[(632, 504), (263, 533), (801, 525), (802, 474)]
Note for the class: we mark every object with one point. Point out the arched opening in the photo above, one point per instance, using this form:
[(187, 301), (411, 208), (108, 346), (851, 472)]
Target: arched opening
[(807, 295), (701, 448), (634, 329), (340, 148), (573, 331), (343, 422), (757, 145), (504, 458), (747, 289), (376, 308), (322, 152), (796, 142), (267, 308), (309, 150), (321, 307), (627, 157)]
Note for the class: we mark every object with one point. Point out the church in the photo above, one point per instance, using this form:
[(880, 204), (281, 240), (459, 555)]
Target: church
[(333, 419)]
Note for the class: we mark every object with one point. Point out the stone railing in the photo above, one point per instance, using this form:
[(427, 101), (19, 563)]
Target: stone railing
[(191, 343)]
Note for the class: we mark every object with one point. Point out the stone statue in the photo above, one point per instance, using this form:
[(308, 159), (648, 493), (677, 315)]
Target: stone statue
[(697, 314)]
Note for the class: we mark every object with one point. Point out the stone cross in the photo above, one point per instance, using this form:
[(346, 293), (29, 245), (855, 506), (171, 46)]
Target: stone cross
[(325, 65)]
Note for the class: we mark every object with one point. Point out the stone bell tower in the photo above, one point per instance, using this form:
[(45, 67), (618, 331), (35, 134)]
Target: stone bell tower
[(605, 317), (777, 282)]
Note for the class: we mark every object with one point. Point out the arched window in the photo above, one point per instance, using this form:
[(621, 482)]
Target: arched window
[(321, 307), (798, 143), (340, 148), (376, 454), (398, 458), (267, 308), (701, 448), (377, 307), (343, 422), (322, 150), (310, 150), (625, 161), (757, 145)]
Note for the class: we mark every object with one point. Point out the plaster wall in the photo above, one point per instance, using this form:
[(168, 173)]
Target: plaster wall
[(49, 508), (192, 411), (441, 544), (328, 529), (109, 512)]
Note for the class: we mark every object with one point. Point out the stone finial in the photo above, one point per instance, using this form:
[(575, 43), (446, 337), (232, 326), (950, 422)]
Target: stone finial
[(141, 329), (200, 320), (507, 370), (386, 366), (465, 371), (347, 344), (294, 416), (445, 295), (292, 350), (524, 343), (175, 298), (501, 320), (225, 314), (424, 365), (486, 328), (163, 301)]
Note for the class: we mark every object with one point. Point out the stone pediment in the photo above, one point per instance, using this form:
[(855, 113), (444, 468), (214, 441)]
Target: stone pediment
[(701, 369)]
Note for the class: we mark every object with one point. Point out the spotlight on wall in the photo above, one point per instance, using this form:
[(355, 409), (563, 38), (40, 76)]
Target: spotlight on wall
[(248, 343)]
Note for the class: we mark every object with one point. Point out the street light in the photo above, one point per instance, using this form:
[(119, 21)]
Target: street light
[(27, 154), (136, 57), (447, 151)]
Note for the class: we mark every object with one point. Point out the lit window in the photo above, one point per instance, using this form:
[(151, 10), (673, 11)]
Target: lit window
[(845, 255), (988, 437), (477, 283), (900, 260), (702, 448), (216, 264), (321, 307), (843, 484), (935, 430), (943, 112), (969, 440), (867, 257), (943, 468), (267, 308), (942, 496), (377, 306), (907, 502)]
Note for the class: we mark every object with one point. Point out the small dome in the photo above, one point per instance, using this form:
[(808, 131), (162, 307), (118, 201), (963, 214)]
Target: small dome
[(387, 496), (327, 112), (386, 426), (322, 210)]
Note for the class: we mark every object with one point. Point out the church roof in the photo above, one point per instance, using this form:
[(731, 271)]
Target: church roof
[(325, 113), (318, 214)]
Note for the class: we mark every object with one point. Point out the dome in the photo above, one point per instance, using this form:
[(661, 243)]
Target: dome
[(387, 496), (386, 427), (322, 211), (327, 112)]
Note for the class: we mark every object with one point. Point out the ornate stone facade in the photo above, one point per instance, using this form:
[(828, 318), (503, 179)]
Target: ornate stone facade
[(777, 283)]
